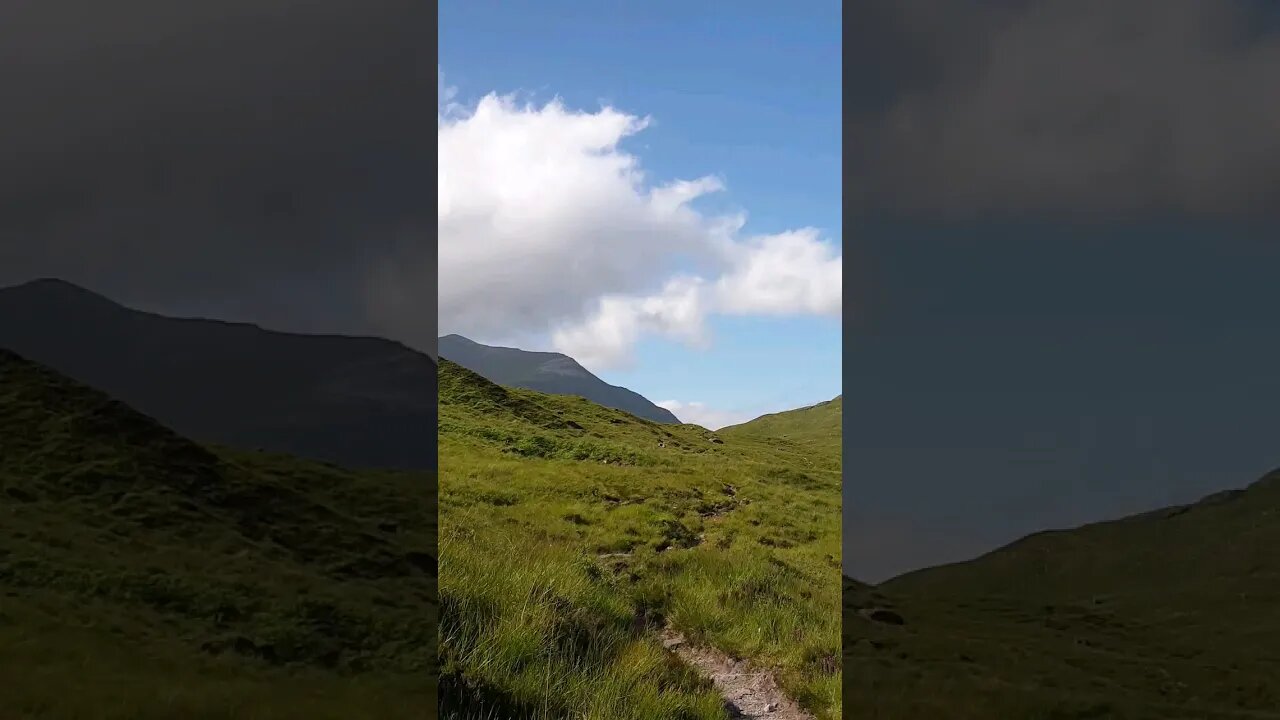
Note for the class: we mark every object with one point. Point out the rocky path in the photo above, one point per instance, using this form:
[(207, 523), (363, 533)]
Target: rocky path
[(749, 693)]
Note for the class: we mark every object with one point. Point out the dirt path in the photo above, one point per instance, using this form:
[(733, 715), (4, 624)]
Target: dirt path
[(749, 693)]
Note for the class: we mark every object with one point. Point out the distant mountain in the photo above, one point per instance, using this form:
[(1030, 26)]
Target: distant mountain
[(547, 372), (355, 401), (1167, 614)]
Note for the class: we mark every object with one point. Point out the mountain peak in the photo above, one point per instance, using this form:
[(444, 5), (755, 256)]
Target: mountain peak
[(52, 287), (51, 282), (548, 372)]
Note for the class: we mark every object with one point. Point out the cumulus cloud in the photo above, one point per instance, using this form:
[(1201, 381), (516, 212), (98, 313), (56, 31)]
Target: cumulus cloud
[(791, 272), (550, 231), (699, 414), (605, 336)]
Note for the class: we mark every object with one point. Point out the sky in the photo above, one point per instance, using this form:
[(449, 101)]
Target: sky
[(651, 188), (681, 208), (1064, 233), (250, 160)]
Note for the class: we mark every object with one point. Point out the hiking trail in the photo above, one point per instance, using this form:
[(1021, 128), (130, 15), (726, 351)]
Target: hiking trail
[(750, 693)]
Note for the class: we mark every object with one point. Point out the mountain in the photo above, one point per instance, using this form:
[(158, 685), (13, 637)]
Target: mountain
[(547, 372), (1168, 614), (160, 577), (355, 401), (577, 540)]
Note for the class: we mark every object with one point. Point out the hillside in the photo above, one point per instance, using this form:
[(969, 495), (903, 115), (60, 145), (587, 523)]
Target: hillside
[(547, 372), (573, 534), (810, 432), (357, 402), (1165, 615), (143, 575)]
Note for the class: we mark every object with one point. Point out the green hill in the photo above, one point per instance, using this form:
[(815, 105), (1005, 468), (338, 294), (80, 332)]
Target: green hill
[(1170, 614), (809, 432), (143, 575), (571, 534)]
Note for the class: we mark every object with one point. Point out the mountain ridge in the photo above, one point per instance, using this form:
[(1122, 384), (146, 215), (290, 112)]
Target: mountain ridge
[(550, 372), (359, 401), (1161, 513)]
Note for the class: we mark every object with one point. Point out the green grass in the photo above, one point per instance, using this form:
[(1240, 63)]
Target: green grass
[(571, 533), (146, 576), (1173, 614), (810, 435)]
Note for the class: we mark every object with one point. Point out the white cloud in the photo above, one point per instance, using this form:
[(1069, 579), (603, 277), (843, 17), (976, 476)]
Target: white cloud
[(605, 337), (549, 230), (446, 93), (787, 273), (699, 414)]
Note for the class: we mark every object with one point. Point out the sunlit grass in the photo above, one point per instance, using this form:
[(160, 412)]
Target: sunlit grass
[(571, 533)]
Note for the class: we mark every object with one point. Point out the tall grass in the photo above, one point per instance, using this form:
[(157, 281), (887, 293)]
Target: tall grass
[(559, 567), (143, 575)]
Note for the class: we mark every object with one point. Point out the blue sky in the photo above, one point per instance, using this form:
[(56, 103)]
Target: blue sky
[(751, 97)]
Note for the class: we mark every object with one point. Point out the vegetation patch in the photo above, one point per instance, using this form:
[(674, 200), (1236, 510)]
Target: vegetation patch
[(554, 604), (163, 578)]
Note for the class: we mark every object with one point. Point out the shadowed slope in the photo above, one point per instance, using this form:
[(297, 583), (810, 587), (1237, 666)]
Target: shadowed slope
[(1168, 614), (162, 578)]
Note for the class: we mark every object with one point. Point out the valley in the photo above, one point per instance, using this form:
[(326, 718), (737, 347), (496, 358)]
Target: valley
[(572, 536), (216, 520)]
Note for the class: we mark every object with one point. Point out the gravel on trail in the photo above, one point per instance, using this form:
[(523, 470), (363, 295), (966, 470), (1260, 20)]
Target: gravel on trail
[(749, 693)]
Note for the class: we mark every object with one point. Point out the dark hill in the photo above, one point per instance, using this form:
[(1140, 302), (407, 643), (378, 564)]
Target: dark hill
[(159, 577), (1168, 614), (547, 372), (355, 401)]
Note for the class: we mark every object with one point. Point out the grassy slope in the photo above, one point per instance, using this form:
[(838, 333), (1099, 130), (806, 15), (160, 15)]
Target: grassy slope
[(159, 578), (813, 430), (569, 535), (1173, 614)]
